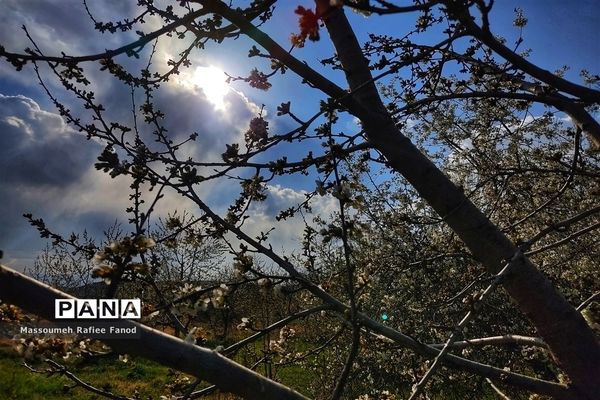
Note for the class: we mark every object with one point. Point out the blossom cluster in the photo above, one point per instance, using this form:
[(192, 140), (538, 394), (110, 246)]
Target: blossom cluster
[(257, 133), (278, 346), (117, 252), (309, 27)]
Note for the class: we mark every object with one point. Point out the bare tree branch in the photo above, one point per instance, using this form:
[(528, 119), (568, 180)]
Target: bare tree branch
[(588, 301), (61, 369), (495, 341), (461, 11)]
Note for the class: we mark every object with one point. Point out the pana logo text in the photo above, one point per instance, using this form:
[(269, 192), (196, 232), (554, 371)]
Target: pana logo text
[(97, 309)]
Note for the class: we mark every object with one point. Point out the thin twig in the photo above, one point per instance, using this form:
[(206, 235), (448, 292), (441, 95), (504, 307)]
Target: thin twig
[(588, 301), (497, 390), (458, 330), (564, 240), (62, 370)]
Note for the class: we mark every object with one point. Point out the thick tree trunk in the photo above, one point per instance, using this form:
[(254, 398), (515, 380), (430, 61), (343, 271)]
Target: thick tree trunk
[(570, 339)]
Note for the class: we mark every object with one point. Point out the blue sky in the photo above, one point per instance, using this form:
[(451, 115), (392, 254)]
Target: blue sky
[(47, 168)]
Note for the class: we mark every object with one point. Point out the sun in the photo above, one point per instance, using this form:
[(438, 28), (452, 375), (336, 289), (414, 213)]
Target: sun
[(213, 82)]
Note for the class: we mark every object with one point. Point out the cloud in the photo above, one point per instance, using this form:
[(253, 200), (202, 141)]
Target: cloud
[(38, 148), (56, 26), (40, 158), (47, 166), (288, 233), (189, 111)]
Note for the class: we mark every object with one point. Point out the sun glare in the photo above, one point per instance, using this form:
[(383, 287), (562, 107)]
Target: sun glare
[(213, 83)]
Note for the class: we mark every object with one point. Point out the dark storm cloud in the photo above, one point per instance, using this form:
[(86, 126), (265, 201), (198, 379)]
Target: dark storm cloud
[(37, 147), (40, 158)]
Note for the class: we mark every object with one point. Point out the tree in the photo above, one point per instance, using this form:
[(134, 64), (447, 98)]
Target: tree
[(493, 87), (184, 254)]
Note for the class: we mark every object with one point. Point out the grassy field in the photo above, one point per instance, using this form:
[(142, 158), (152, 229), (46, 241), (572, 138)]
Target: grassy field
[(148, 379)]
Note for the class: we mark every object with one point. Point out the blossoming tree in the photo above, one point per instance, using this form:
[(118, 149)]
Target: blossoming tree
[(441, 186)]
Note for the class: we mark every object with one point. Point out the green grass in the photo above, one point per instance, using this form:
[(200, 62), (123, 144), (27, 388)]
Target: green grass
[(145, 377), (17, 382), (296, 377)]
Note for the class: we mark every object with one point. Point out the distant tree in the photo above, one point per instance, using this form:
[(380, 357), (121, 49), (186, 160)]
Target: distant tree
[(63, 270), (480, 179), (71, 271), (185, 253)]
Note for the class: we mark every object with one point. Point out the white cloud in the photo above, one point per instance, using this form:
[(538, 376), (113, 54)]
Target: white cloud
[(288, 233)]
